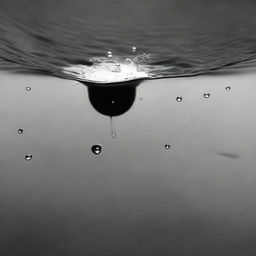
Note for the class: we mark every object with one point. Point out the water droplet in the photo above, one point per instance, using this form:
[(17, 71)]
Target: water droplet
[(228, 88), (28, 89), (207, 95), (20, 131), (96, 149), (179, 99), (28, 157), (167, 146), (134, 49)]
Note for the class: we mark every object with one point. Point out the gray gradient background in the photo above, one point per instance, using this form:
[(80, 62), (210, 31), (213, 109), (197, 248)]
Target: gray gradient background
[(136, 197)]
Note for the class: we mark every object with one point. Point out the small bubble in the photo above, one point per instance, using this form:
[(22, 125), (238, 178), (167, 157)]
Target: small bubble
[(207, 95), (141, 98), (179, 99), (20, 131), (167, 146), (28, 89), (134, 49), (28, 157), (96, 149), (228, 88), (113, 101)]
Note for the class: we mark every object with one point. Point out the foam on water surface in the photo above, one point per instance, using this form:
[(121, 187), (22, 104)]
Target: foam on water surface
[(108, 70)]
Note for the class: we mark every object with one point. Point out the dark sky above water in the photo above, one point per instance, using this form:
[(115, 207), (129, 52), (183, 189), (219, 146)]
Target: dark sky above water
[(181, 37)]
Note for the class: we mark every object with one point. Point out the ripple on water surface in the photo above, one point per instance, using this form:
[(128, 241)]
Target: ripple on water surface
[(111, 42)]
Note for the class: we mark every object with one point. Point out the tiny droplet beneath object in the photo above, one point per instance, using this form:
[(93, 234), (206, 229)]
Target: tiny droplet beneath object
[(96, 149), (20, 131), (28, 89), (207, 95), (134, 49), (179, 99), (228, 88), (113, 127), (28, 157), (167, 146)]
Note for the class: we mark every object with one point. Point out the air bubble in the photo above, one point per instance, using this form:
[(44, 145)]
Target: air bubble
[(207, 95), (228, 88), (28, 88), (109, 54), (179, 99), (134, 49), (96, 149), (20, 131), (28, 157), (167, 146)]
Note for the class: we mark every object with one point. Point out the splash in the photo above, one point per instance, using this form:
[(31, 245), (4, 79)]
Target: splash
[(109, 70)]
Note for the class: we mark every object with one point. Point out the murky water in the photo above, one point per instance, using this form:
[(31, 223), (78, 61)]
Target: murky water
[(112, 41)]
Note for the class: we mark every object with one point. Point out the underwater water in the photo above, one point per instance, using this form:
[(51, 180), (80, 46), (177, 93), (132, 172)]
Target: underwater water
[(178, 179), (116, 40)]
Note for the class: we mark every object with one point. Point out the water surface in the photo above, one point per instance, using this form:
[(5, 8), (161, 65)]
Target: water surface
[(111, 41)]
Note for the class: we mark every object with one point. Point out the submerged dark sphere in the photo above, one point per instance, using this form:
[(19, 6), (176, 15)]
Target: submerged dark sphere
[(113, 100)]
